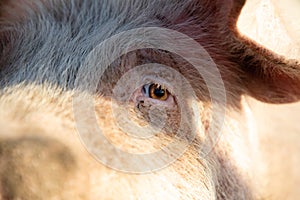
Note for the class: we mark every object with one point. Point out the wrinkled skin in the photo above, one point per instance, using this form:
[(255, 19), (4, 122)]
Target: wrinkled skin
[(45, 85)]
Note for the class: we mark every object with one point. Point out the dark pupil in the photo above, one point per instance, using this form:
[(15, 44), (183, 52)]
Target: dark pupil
[(159, 92)]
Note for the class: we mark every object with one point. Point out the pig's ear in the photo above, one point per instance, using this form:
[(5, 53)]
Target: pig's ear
[(267, 76)]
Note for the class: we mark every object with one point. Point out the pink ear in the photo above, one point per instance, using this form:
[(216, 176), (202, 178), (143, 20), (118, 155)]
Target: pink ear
[(267, 76)]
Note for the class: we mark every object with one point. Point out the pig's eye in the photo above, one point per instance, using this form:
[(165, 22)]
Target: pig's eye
[(156, 91)]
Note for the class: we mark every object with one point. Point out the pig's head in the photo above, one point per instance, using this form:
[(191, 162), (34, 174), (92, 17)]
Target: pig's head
[(156, 88)]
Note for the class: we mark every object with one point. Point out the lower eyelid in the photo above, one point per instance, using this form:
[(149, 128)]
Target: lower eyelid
[(169, 102)]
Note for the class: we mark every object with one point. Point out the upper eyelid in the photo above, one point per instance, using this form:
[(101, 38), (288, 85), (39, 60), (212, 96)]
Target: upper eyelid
[(156, 80)]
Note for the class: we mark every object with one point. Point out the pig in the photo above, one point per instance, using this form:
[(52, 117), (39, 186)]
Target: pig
[(132, 99)]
